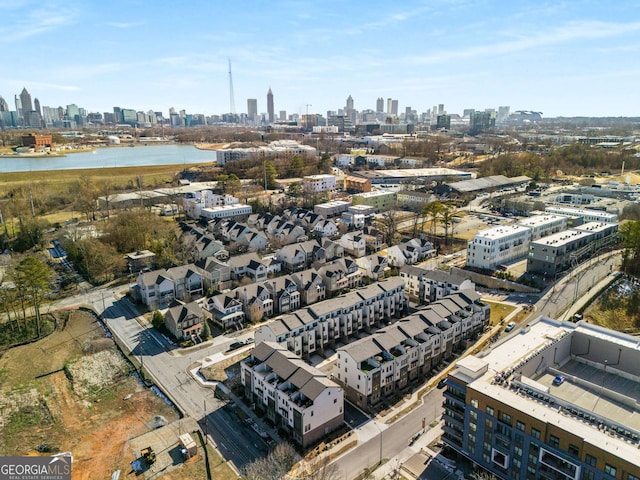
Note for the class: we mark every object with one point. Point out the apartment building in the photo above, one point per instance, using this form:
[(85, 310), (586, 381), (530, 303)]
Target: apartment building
[(496, 246), (319, 183), (380, 200), (323, 324), (391, 358), (561, 251), (584, 214), (543, 225), (295, 396), (554, 400), (331, 209)]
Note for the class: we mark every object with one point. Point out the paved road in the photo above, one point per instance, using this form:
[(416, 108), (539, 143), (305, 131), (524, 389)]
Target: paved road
[(240, 444), (168, 369), (395, 437)]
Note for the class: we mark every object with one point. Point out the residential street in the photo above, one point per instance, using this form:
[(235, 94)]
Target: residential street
[(237, 442)]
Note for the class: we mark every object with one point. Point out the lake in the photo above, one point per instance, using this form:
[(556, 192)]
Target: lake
[(111, 157)]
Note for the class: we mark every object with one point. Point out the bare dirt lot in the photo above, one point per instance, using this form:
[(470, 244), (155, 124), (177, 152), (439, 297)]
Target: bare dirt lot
[(42, 409)]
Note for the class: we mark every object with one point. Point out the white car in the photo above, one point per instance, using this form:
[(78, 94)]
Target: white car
[(510, 326)]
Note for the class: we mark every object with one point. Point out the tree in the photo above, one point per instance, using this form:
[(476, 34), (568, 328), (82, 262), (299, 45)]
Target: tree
[(233, 184), (106, 189), (86, 196), (100, 262), (388, 225), (206, 330), (270, 174), (33, 279), (296, 167), (157, 320), (295, 189), (324, 165), (321, 468), (274, 466)]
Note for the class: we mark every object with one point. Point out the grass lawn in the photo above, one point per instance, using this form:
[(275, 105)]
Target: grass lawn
[(499, 311)]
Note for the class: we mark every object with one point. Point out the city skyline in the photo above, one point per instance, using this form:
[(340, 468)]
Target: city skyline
[(562, 60)]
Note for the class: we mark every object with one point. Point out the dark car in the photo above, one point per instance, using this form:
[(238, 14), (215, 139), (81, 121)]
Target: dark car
[(559, 380), (442, 383), (236, 345)]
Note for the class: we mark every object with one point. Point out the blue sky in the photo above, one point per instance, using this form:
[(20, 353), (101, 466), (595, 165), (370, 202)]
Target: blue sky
[(562, 58)]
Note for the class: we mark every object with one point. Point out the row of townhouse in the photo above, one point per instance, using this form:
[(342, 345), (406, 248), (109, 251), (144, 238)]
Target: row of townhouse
[(339, 320), (264, 299), (295, 396), (431, 285), (378, 365), (302, 255)]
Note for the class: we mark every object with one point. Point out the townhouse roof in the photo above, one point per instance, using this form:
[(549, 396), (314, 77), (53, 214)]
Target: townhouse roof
[(155, 277), (180, 312), (243, 260), (362, 349), (444, 277), (413, 271)]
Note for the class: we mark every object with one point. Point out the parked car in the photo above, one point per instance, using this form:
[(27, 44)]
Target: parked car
[(510, 326), (559, 380), (236, 345), (442, 383)]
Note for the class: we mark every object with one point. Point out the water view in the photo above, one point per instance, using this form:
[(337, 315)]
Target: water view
[(111, 157)]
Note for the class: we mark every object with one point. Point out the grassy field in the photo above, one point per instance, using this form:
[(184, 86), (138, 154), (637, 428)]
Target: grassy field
[(499, 311), (121, 177)]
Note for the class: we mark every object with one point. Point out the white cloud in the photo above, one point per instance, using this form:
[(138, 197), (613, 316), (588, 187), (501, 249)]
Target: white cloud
[(125, 24)]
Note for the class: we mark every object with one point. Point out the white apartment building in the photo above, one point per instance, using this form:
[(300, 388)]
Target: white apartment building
[(319, 183), (543, 225), (194, 202), (496, 246), (584, 213), (226, 211), (278, 147), (331, 209), (295, 396)]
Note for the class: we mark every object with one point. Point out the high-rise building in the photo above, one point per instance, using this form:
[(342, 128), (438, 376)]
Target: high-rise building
[(389, 105), (36, 106), (25, 100), (283, 116), (252, 109), (4, 106), (270, 110), (440, 108), (503, 114), (349, 103), (18, 103), (555, 400), (380, 105), (394, 107)]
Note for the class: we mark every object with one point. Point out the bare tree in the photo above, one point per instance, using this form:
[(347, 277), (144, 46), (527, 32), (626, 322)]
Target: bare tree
[(274, 466), (322, 469)]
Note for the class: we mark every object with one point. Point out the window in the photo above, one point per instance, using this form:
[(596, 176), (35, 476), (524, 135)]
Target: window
[(632, 477), (573, 450), (590, 460), (506, 418), (609, 470), (474, 403), (473, 415), (535, 433), (490, 410), (588, 475), (520, 426), (554, 441)]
